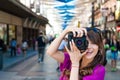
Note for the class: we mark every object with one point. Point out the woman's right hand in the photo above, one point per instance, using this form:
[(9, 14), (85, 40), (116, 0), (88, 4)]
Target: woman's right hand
[(74, 53)]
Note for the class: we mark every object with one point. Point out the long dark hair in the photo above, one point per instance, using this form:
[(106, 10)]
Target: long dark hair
[(95, 37)]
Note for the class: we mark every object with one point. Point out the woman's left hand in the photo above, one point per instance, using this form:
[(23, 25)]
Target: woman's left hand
[(74, 53)]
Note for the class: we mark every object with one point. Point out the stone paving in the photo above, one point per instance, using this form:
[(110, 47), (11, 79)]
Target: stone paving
[(30, 69)]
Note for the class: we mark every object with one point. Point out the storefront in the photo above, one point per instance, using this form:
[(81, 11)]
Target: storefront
[(13, 15), (3, 32), (7, 32), (30, 34)]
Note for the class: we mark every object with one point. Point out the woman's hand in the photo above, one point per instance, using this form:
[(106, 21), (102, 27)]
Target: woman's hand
[(75, 54), (80, 31)]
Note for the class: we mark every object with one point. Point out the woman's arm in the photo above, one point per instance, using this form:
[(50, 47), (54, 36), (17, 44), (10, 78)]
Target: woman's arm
[(53, 48), (74, 72)]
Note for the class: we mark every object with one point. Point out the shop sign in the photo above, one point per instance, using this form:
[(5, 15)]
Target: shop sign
[(104, 10)]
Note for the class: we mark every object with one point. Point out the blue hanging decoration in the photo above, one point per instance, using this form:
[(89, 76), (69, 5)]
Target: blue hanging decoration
[(65, 7), (66, 12), (67, 17), (68, 21), (65, 22), (64, 26), (65, 1)]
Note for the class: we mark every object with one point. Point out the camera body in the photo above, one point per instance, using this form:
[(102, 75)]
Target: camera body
[(80, 42)]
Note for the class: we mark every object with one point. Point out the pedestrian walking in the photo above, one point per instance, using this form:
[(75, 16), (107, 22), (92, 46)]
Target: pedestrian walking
[(114, 46), (33, 42), (18, 49), (24, 47), (13, 44), (1, 52), (2, 45), (40, 44), (106, 47)]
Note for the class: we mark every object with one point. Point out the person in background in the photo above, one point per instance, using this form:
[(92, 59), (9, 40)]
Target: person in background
[(114, 46), (63, 44), (18, 49), (33, 42), (2, 45), (77, 65), (24, 47), (62, 47), (106, 44), (13, 44), (106, 47), (40, 44)]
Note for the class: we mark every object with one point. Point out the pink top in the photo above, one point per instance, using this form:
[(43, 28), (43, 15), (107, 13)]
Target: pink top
[(98, 71)]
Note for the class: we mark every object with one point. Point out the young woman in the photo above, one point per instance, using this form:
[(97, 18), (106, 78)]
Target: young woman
[(75, 65), (114, 45)]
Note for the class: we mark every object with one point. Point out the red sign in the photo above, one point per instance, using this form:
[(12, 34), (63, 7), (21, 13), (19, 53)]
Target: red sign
[(118, 28)]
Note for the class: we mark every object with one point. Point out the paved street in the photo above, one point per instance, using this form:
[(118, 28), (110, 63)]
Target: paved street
[(30, 69)]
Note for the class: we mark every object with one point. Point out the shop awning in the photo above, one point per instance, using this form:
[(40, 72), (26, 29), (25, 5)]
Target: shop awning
[(16, 8)]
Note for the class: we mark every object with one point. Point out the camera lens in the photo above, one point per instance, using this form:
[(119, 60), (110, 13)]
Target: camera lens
[(79, 42)]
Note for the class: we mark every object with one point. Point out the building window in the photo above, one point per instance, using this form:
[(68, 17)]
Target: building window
[(12, 32), (3, 32)]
